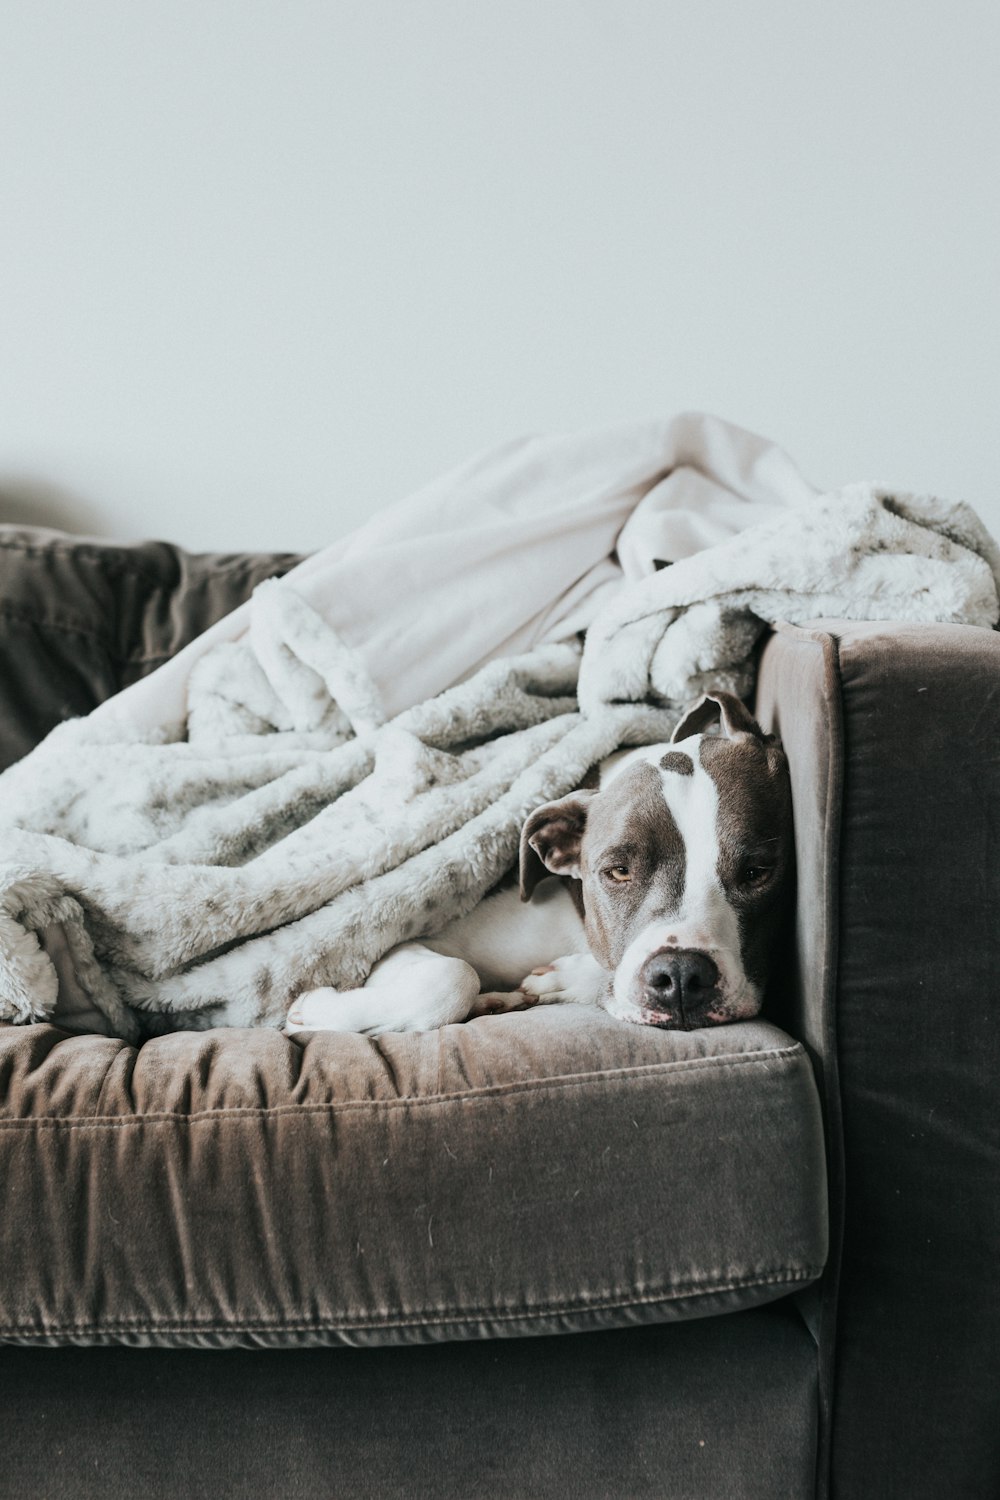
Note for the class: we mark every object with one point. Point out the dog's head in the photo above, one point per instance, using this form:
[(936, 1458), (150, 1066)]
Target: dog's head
[(684, 853)]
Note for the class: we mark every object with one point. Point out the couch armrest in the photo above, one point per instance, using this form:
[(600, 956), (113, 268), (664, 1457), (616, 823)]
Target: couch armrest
[(892, 732)]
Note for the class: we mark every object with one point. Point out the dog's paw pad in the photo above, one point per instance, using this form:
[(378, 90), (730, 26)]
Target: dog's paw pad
[(496, 1003)]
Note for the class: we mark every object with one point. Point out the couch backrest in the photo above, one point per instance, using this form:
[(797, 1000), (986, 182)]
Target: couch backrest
[(81, 618)]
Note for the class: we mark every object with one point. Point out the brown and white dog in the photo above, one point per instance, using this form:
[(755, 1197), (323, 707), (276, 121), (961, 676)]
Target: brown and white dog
[(672, 877)]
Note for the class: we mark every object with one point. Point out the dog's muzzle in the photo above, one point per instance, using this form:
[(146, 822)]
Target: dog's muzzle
[(680, 986)]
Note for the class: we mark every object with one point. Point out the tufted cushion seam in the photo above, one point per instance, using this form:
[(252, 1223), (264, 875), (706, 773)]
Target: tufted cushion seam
[(674, 1291), (783, 1056)]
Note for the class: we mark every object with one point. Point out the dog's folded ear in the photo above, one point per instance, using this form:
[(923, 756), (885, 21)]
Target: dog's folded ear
[(731, 712), (551, 840)]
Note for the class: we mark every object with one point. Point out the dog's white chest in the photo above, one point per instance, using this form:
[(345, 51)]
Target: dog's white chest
[(504, 938)]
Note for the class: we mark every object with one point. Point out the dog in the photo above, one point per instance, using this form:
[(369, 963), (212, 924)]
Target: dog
[(657, 894)]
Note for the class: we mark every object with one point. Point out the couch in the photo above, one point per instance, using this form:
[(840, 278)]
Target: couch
[(534, 1255)]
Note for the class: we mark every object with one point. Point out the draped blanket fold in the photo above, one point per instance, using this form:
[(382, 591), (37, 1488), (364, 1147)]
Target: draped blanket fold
[(303, 814)]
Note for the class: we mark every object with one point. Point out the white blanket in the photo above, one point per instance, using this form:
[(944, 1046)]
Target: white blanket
[(346, 761), (516, 548)]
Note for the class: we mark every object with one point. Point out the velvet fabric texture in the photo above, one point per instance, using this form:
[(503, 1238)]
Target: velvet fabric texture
[(80, 619), (891, 733), (527, 1173), (881, 1381), (714, 1409)]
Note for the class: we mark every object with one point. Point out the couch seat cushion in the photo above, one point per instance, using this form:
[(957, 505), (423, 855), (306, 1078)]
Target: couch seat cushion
[(543, 1171)]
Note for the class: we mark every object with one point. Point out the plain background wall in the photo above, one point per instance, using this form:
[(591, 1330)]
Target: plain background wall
[(268, 264)]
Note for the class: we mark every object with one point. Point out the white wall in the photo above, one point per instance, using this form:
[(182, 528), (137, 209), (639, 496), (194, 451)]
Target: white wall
[(267, 264)]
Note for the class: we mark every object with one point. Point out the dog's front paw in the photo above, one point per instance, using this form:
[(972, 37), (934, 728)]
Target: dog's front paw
[(577, 979)]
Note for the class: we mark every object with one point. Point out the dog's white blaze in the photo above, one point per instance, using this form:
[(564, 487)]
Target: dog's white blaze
[(704, 921)]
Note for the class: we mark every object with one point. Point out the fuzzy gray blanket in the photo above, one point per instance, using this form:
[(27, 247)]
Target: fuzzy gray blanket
[(285, 837)]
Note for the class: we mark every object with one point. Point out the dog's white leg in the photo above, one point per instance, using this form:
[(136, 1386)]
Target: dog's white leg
[(577, 979), (410, 989)]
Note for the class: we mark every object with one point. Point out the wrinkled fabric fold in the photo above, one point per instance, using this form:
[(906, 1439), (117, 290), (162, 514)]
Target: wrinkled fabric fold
[(394, 1191), (310, 809)]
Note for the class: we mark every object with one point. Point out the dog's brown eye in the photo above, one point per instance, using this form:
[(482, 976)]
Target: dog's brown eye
[(756, 874), (618, 873)]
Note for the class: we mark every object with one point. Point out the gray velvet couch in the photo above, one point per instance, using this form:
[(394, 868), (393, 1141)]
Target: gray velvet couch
[(534, 1255)]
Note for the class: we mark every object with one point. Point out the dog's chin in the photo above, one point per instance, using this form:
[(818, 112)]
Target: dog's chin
[(641, 1011)]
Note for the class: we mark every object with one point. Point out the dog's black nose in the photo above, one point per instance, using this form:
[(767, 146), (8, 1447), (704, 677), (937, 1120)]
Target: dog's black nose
[(679, 980)]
